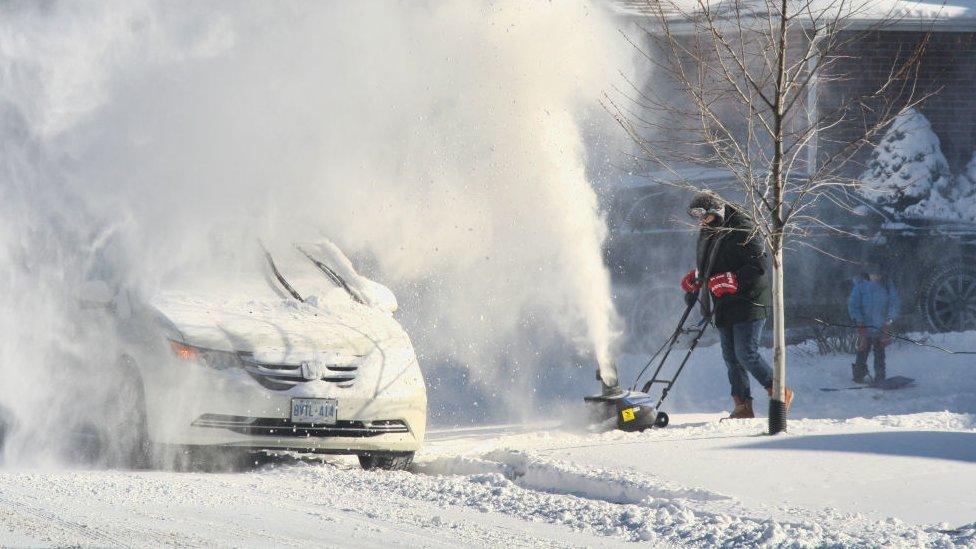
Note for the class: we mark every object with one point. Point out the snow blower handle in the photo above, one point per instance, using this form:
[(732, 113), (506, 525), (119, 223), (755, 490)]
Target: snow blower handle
[(669, 343), (689, 306), (691, 299)]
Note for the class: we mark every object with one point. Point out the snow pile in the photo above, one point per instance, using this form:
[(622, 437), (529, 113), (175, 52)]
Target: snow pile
[(529, 471), (849, 483), (627, 502), (909, 174)]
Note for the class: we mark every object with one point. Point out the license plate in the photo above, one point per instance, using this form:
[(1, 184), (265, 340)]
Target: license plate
[(321, 411)]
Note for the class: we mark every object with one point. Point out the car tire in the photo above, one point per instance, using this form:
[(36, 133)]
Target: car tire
[(6, 426), (120, 438), (651, 317), (386, 462), (86, 445), (948, 298), (136, 451)]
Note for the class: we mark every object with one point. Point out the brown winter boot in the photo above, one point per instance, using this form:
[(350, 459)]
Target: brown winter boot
[(742, 410), (789, 396)]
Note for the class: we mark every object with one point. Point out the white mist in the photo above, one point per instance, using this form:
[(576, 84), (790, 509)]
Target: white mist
[(441, 139)]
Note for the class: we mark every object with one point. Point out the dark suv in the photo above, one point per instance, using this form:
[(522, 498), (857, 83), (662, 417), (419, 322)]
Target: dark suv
[(651, 246)]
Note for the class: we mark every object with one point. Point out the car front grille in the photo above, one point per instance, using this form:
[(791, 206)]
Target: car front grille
[(283, 427), (281, 377)]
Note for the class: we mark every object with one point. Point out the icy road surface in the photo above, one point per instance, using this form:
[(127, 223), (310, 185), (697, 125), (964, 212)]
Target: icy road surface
[(883, 481)]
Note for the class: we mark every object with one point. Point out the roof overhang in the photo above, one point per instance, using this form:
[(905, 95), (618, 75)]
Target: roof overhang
[(943, 18)]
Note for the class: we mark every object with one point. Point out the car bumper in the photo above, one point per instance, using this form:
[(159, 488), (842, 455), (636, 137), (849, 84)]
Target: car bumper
[(189, 404)]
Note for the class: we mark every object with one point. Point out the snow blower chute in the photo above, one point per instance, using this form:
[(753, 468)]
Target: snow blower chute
[(637, 410)]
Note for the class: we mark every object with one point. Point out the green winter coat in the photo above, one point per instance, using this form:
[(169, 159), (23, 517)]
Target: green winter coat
[(740, 250)]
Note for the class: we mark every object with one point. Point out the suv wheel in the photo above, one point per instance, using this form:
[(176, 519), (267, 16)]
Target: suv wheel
[(651, 317), (387, 462), (119, 437), (948, 298)]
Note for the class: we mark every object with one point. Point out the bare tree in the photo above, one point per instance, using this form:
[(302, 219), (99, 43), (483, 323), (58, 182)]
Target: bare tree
[(738, 86)]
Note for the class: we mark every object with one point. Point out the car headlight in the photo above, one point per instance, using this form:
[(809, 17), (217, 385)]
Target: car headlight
[(219, 360)]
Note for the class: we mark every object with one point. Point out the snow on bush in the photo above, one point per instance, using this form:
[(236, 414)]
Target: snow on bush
[(909, 174), (965, 189), (908, 171)]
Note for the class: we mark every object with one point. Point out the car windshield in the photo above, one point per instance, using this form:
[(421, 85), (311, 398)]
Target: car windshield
[(280, 278), (331, 274), (320, 270), (295, 272), (317, 273)]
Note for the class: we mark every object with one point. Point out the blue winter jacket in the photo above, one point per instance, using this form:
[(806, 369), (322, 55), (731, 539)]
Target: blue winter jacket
[(873, 304)]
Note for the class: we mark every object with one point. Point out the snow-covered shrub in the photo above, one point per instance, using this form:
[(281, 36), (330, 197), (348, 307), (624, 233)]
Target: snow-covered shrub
[(908, 172), (964, 190)]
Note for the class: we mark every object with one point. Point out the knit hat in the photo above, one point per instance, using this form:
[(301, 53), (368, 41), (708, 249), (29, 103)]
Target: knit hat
[(706, 202), (873, 267)]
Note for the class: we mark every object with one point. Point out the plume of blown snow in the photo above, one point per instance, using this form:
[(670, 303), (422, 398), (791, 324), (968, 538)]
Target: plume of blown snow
[(439, 140)]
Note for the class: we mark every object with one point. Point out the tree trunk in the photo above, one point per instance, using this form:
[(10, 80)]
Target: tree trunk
[(777, 404)]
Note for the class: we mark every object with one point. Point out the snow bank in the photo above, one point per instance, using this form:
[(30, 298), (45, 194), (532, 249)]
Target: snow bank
[(531, 472), (628, 502), (900, 480)]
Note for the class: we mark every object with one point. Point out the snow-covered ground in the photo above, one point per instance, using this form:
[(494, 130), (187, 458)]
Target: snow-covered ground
[(943, 381), (904, 481), (857, 468)]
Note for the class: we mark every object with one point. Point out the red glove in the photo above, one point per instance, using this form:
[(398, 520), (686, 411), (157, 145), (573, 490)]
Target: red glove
[(723, 284), (690, 282), (862, 339), (886, 334)]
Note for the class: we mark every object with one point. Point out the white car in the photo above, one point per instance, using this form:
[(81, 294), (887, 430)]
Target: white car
[(289, 350)]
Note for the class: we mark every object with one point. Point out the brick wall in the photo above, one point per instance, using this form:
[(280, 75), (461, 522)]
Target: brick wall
[(677, 126), (948, 67)]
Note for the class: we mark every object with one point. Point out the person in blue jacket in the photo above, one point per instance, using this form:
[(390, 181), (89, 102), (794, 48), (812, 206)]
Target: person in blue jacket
[(873, 306)]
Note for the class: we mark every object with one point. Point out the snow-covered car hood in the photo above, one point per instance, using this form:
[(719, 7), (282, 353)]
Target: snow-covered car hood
[(282, 332), (249, 310)]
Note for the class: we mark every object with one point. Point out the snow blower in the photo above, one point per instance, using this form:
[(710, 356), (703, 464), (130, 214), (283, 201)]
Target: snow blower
[(637, 410)]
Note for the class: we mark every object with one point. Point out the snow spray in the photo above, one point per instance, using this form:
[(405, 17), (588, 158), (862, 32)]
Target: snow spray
[(439, 141)]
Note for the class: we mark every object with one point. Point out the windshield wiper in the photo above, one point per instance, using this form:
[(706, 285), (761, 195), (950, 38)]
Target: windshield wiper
[(281, 279), (334, 276)]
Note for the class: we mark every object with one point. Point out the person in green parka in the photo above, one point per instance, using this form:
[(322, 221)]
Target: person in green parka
[(732, 265)]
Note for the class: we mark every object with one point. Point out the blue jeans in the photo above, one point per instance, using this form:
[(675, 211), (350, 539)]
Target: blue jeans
[(740, 349)]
